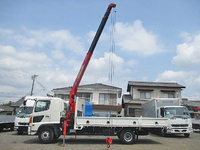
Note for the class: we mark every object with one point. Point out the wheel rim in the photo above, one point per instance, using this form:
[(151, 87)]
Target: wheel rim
[(45, 135), (128, 136)]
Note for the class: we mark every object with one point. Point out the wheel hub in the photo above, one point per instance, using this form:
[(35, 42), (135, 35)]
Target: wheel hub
[(45, 135), (128, 136)]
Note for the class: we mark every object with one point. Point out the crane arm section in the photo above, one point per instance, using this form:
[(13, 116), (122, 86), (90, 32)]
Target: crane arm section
[(74, 89)]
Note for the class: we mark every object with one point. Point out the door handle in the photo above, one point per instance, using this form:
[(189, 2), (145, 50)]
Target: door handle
[(47, 116)]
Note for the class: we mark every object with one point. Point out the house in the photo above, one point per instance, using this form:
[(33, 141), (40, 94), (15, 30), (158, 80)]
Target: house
[(18, 103), (140, 92), (103, 97), (7, 110), (193, 107)]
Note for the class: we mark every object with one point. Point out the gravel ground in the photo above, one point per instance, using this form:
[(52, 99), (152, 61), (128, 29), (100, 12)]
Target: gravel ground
[(9, 140)]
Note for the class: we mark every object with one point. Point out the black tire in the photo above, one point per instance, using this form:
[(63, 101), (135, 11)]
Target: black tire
[(45, 135), (127, 136), (1, 129), (12, 128), (187, 135), (19, 132), (163, 133)]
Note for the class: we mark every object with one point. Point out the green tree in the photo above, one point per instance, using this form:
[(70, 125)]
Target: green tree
[(7, 104)]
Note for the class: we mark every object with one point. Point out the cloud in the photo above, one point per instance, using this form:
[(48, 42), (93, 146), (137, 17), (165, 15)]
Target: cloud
[(135, 38), (5, 31), (190, 79), (15, 60), (30, 42), (188, 54), (131, 63), (57, 54), (104, 36), (59, 39), (100, 68), (174, 76), (101, 64)]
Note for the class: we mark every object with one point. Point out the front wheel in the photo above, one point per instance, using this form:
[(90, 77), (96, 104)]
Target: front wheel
[(187, 135), (19, 132), (127, 136), (46, 135)]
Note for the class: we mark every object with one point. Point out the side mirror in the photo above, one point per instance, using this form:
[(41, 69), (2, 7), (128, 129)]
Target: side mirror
[(24, 103)]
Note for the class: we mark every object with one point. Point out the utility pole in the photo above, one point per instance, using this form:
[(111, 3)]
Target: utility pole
[(33, 78)]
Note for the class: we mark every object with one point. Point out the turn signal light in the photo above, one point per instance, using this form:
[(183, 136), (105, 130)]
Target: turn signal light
[(30, 120)]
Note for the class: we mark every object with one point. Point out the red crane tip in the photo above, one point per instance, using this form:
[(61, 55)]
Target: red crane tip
[(112, 5)]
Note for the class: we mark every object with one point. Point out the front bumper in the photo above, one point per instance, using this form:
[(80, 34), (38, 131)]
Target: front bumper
[(179, 131)]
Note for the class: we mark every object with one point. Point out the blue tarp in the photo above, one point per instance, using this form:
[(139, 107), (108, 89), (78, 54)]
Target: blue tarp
[(88, 109)]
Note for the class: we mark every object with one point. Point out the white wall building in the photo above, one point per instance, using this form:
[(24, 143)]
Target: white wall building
[(140, 92), (103, 97)]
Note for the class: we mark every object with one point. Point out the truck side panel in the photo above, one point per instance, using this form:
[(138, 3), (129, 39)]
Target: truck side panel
[(168, 102), (149, 109), (6, 121), (81, 122)]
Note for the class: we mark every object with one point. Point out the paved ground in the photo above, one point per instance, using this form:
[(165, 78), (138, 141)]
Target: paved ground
[(9, 140)]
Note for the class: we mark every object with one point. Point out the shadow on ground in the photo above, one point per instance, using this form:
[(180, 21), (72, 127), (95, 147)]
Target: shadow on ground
[(89, 141)]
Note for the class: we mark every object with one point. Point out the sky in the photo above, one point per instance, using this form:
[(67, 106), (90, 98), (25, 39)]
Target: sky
[(146, 40)]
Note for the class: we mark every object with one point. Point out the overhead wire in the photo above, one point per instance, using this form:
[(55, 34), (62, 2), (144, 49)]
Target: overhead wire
[(43, 87), (111, 65)]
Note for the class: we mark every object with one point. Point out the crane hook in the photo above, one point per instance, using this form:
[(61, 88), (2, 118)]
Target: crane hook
[(109, 141)]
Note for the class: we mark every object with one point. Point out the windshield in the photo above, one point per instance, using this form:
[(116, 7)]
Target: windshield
[(24, 111), (176, 112)]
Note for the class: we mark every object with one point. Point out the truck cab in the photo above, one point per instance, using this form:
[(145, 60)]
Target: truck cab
[(173, 112), (47, 113), (23, 115), (179, 117)]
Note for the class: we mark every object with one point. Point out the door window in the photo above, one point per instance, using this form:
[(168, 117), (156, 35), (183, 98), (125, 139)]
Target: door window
[(42, 106)]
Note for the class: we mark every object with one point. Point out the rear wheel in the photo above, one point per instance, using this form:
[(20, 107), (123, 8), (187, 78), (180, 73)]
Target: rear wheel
[(187, 135), (127, 136), (46, 135)]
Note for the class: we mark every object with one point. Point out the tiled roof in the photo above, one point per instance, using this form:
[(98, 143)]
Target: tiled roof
[(96, 86), (153, 84), (191, 103), (127, 99), (6, 108), (18, 103)]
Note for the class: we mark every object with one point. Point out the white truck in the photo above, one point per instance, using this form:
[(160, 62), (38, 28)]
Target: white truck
[(23, 115), (48, 114), (53, 117), (179, 117), (6, 122), (196, 119)]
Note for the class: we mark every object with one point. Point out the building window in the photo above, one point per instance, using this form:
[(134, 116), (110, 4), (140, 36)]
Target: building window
[(145, 95), (108, 99), (63, 96), (169, 95), (86, 96), (134, 112)]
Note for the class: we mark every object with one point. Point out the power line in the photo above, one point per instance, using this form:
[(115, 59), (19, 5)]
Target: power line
[(43, 87)]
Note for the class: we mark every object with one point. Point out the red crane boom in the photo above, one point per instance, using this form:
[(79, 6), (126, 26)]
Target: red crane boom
[(73, 92)]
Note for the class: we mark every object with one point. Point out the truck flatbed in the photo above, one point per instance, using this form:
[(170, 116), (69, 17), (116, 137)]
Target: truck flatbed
[(140, 122)]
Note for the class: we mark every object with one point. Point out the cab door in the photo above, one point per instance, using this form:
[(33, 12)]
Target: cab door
[(41, 111), (56, 110)]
